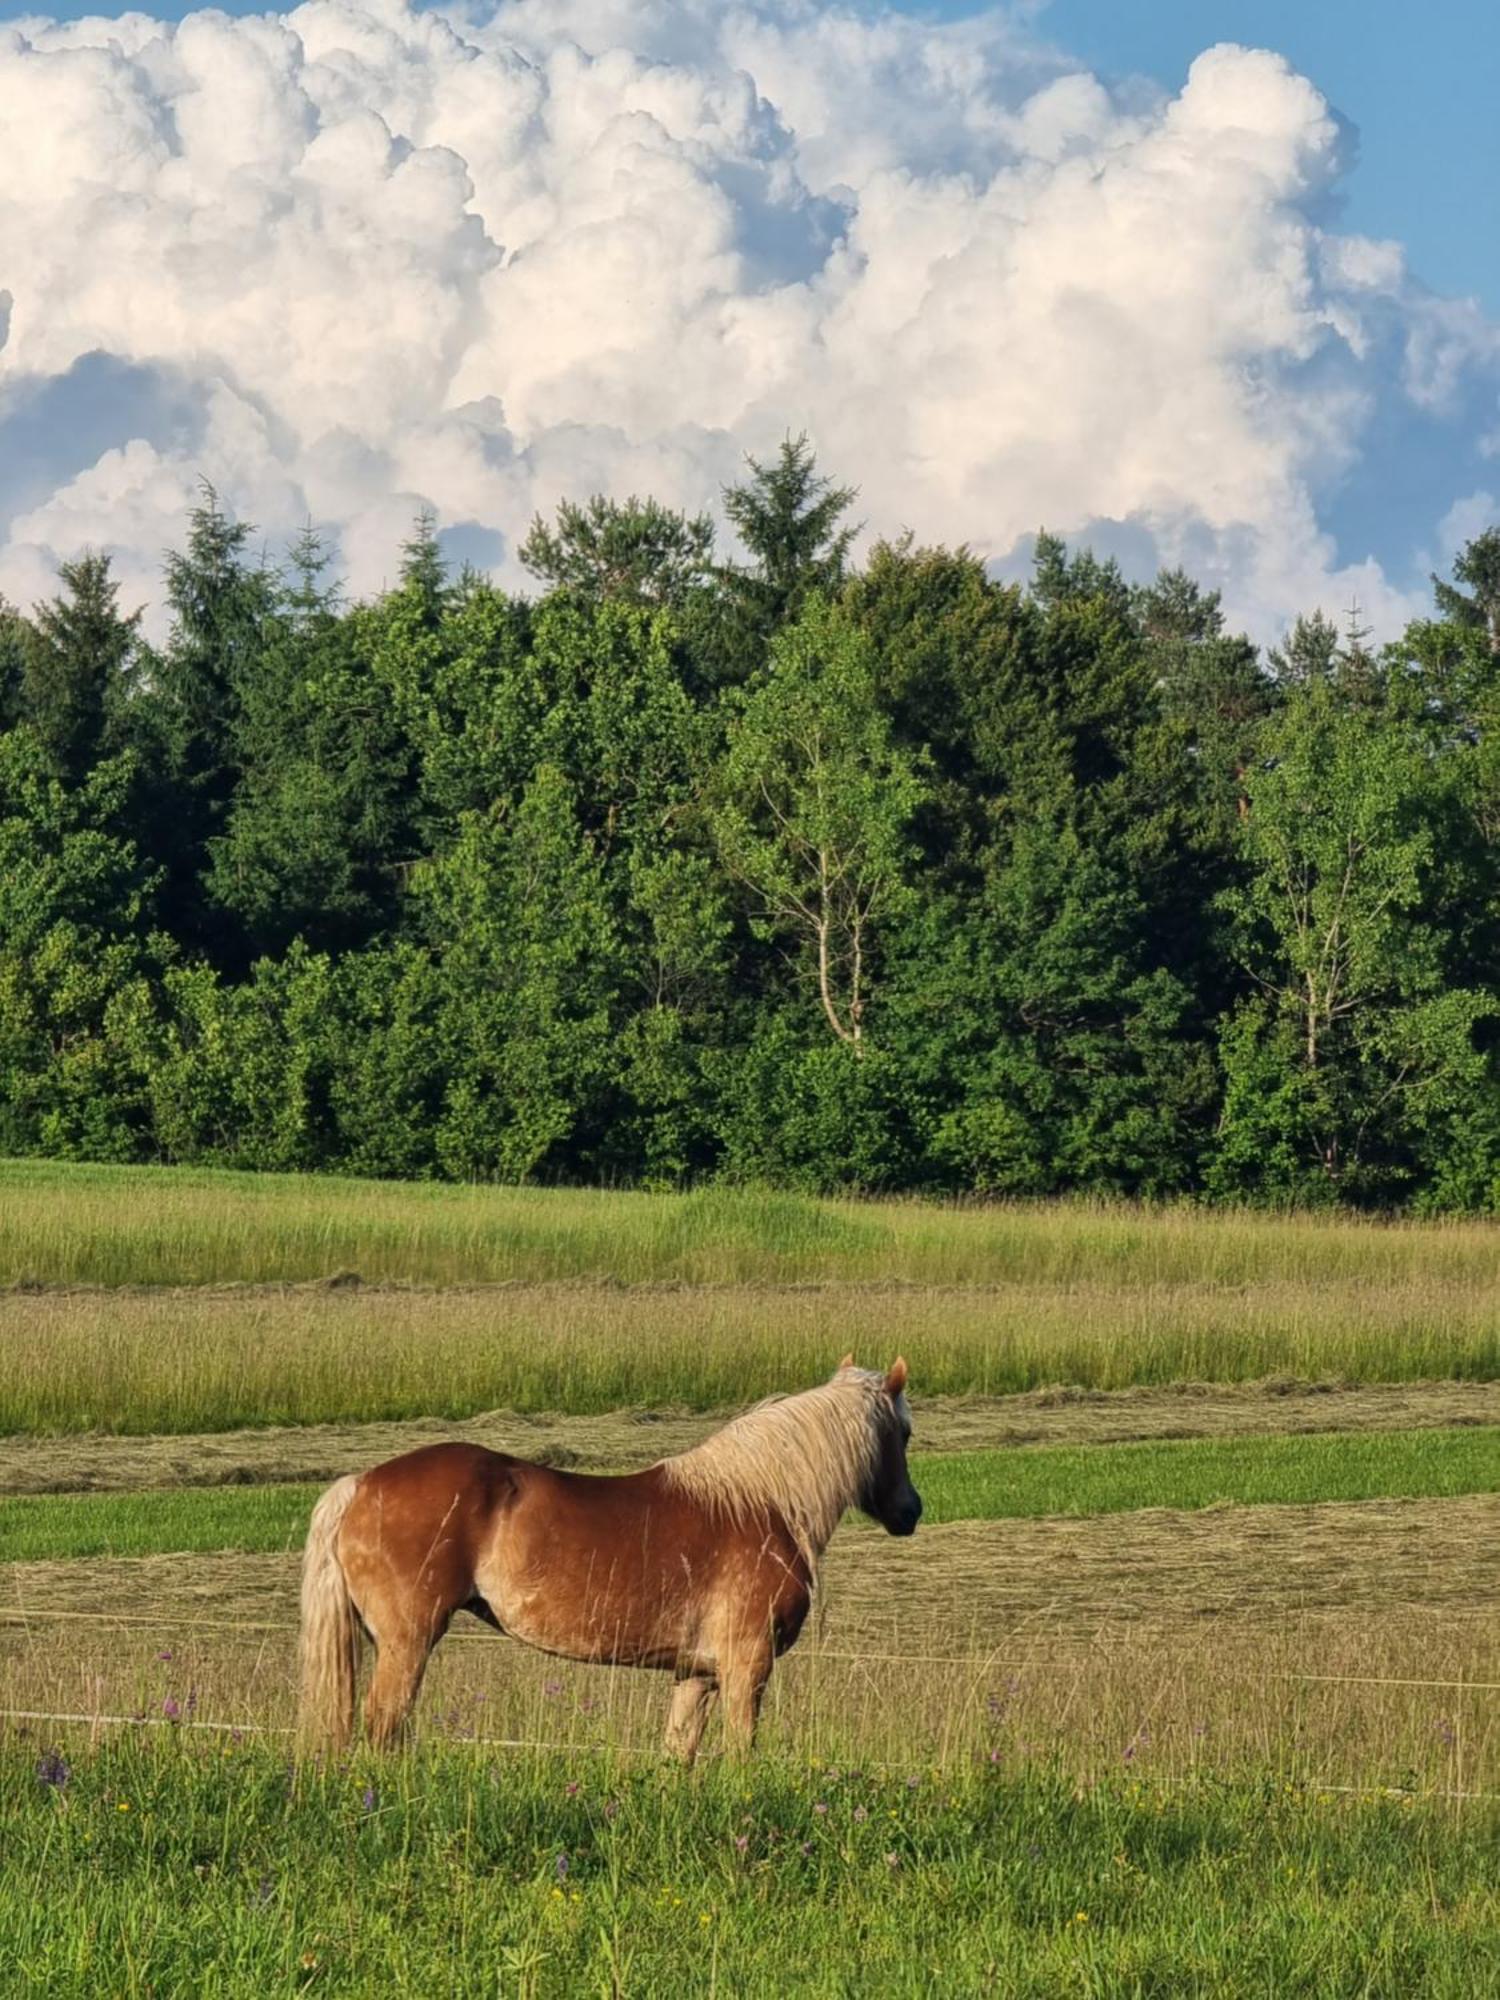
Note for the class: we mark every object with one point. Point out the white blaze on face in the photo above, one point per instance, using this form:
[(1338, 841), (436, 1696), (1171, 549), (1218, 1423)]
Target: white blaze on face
[(356, 258)]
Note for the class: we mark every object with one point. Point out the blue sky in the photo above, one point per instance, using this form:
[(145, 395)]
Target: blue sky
[(1421, 84), (565, 248)]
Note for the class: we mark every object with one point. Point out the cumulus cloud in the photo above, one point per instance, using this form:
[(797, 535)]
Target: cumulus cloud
[(356, 259)]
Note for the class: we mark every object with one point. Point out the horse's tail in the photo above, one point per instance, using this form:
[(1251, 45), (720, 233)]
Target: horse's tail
[(330, 1638)]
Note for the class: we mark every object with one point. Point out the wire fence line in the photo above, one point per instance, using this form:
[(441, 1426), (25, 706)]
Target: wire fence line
[(991, 1662)]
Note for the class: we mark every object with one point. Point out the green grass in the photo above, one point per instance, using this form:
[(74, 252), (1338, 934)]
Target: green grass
[(955, 1486), (66, 1224), (1207, 1472), (170, 1868)]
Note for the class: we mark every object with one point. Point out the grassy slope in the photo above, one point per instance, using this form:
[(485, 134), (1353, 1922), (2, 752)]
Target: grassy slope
[(956, 1486), (62, 1224), (174, 1869)]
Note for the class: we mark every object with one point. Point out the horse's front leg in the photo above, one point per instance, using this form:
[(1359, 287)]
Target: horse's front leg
[(692, 1698)]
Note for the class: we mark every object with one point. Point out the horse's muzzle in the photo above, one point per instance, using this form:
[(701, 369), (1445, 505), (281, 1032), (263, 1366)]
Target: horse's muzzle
[(906, 1521)]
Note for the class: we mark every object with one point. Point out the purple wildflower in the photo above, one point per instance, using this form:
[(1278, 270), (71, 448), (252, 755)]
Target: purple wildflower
[(53, 1770), (562, 1867), (550, 1688), (572, 1789), (742, 1841), (171, 1708), (369, 1799)]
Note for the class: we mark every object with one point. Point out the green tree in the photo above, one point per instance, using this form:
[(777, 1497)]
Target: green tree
[(1477, 606), (76, 666), (634, 550), (1354, 1029), (74, 967), (813, 809), (516, 914), (320, 820), (788, 517)]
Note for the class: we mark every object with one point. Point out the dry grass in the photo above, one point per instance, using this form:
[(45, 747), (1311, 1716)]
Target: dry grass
[(619, 1440), (1186, 1641), (204, 1360)]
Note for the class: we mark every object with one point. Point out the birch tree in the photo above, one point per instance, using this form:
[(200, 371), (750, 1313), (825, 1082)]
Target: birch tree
[(812, 810)]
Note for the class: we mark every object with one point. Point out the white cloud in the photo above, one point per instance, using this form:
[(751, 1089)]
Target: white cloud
[(482, 261)]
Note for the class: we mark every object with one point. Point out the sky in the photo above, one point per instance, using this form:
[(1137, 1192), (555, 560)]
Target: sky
[(1199, 282)]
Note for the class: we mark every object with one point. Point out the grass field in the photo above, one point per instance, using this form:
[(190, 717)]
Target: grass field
[(1187, 1685), (205, 1360), (78, 1225), (157, 1870), (959, 1486)]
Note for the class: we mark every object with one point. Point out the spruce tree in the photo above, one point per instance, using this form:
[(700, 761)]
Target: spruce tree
[(75, 664), (787, 515)]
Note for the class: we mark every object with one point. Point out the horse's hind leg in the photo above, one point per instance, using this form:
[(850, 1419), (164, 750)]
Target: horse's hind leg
[(399, 1666), (691, 1700), (743, 1682)]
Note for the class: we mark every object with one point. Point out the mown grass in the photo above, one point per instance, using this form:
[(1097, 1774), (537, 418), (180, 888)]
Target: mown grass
[(67, 1224), (168, 1869), (195, 1360), (1027, 1484)]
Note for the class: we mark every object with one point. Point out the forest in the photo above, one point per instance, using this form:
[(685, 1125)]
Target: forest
[(789, 870)]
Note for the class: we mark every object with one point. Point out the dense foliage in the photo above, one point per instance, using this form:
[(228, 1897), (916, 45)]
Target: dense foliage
[(880, 877)]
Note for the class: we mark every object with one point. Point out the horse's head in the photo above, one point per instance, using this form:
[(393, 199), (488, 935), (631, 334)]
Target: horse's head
[(889, 1496)]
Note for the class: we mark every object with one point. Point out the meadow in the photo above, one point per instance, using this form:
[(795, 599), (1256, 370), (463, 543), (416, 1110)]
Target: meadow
[(1187, 1684), (176, 1872)]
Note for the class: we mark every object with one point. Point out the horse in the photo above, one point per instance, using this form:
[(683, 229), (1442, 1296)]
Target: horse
[(703, 1565)]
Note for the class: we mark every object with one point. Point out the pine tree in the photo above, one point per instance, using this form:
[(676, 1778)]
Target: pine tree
[(787, 515), (424, 574), (635, 549), (1479, 607), (76, 661)]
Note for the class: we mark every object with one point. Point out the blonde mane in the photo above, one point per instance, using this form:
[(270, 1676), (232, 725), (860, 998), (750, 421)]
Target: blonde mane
[(805, 1457)]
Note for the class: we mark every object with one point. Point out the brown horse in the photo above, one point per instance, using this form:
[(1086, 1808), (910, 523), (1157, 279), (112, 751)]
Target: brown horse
[(704, 1564)]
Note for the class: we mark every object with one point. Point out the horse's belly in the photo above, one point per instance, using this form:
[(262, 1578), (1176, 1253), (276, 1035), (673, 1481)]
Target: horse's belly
[(649, 1627)]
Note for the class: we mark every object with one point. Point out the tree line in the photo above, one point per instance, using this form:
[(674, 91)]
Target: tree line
[(881, 876)]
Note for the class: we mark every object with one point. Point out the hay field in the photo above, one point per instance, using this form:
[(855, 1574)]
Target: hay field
[(1269, 1679)]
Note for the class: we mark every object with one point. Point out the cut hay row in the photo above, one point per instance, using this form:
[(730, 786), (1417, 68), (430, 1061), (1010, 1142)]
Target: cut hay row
[(957, 1486), (623, 1439)]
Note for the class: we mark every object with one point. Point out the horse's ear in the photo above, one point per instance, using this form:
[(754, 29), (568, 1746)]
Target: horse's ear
[(847, 1362), (895, 1380)]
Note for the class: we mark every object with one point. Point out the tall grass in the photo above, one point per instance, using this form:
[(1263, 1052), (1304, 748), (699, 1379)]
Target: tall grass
[(182, 1361), (159, 1869), (62, 1224)]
